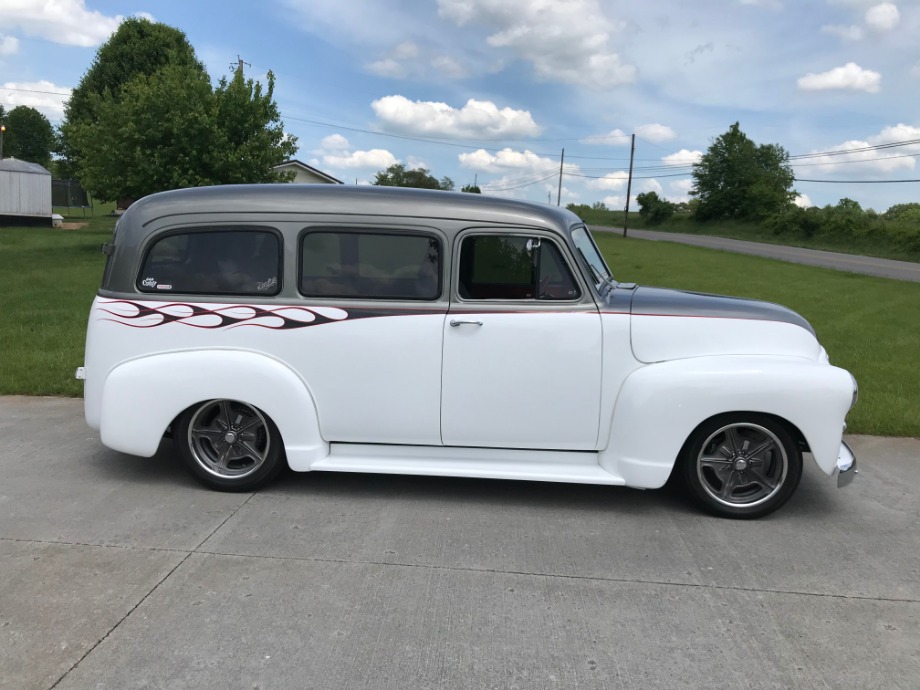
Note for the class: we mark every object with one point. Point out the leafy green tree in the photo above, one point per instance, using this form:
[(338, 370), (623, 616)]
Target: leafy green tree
[(165, 126), (138, 48), (736, 179), (653, 208), (908, 212), (157, 134), (471, 188), (251, 138), (421, 178), (29, 136)]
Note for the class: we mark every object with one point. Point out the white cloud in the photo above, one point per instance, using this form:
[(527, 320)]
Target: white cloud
[(449, 67), (388, 68), (60, 21), (655, 133), (683, 157), (407, 50), (802, 201), (375, 159), (336, 152), (332, 144), (847, 33), (567, 42), (508, 159), (874, 161), (615, 137), (850, 76), (883, 17), (9, 45), (44, 96), (476, 119), (613, 181)]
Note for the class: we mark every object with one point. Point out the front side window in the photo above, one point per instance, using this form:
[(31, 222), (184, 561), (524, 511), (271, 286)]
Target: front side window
[(595, 263), (370, 265), (219, 262), (514, 267)]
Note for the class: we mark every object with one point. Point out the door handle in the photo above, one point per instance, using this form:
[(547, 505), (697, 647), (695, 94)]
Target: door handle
[(454, 323)]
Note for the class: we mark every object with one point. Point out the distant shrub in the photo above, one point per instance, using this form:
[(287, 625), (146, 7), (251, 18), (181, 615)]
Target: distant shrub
[(653, 208), (899, 227)]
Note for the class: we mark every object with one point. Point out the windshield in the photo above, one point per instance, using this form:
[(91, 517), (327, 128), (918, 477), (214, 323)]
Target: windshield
[(591, 256)]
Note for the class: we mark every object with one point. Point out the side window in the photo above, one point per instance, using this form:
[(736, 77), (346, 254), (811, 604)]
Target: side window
[(514, 267), (369, 265), (218, 262)]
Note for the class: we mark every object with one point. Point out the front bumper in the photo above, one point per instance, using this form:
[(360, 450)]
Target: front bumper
[(846, 466)]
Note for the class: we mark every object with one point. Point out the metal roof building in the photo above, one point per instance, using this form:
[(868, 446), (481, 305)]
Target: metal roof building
[(25, 189)]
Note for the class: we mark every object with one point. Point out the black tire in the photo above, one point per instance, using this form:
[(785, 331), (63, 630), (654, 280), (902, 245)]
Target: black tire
[(228, 445), (741, 465)]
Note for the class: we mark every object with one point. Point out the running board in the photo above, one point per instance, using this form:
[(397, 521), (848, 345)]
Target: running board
[(489, 463)]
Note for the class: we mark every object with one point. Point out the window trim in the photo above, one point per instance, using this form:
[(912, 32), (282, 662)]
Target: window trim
[(407, 231), (155, 239), (561, 247)]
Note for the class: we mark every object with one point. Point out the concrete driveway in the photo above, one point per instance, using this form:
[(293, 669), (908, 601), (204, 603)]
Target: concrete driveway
[(120, 572)]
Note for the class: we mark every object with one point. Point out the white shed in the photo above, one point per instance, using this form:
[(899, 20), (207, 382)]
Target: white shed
[(304, 173), (25, 189)]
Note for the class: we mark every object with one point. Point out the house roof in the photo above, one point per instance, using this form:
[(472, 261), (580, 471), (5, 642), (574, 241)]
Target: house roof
[(294, 163), (16, 165)]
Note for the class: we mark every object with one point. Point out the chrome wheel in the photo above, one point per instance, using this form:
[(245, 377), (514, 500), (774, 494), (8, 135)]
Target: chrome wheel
[(742, 465), (228, 439)]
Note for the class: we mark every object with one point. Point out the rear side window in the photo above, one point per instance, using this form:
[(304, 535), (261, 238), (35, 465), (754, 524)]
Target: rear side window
[(218, 262), (370, 265), (513, 267)]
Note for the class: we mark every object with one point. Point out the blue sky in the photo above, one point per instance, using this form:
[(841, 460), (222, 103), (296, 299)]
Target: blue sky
[(493, 90)]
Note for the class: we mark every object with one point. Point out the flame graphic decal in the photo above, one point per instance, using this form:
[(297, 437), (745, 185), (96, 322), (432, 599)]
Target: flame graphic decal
[(153, 314)]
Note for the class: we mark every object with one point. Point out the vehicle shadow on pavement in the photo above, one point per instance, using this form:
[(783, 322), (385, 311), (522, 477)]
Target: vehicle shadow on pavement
[(473, 492)]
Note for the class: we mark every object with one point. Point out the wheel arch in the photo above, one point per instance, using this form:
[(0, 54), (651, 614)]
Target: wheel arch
[(141, 398)]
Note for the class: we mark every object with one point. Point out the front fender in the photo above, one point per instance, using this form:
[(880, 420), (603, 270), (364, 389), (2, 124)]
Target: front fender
[(142, 396), (660, 405)]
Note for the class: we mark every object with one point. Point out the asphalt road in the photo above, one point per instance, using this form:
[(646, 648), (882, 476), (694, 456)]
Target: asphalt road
[(120, 572), (884, 268)]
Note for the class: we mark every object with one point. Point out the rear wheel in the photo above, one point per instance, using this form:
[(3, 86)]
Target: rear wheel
[(741, 465), (229, 445)]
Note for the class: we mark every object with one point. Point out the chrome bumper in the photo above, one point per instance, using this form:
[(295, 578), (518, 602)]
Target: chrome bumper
[(846, 466)]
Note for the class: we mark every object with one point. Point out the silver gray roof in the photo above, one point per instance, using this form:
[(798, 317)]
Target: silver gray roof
[(343, 200), (16, 165)]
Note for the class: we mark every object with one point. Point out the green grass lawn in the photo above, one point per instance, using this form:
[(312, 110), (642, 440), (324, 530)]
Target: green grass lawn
[(868, 325)]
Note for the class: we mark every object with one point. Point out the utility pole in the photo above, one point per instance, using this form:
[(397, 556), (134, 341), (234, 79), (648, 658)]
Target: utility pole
[(559, 193), (632, 152), (238, 65), (2, 130)]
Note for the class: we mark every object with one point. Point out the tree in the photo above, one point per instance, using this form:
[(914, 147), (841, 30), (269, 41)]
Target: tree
[(251, 138), (736, 179), (169, 128), (471, 188), (29, 135), (138, 48), (421, 178), (653, 208)]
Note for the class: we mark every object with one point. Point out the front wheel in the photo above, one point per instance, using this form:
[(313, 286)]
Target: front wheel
[(229, 445), (741, 465)]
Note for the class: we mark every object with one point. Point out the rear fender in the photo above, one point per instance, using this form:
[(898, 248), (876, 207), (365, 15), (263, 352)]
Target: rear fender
[(141, 397)]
